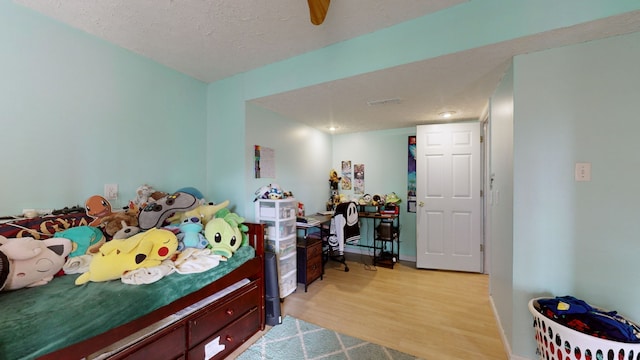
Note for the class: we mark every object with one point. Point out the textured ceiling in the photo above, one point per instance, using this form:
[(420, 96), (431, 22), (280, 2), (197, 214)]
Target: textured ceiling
[(211, 40), (461, 82)]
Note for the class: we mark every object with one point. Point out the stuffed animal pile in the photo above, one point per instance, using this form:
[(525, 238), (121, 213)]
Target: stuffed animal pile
[(273, 192), (122, 224), (147, 234)]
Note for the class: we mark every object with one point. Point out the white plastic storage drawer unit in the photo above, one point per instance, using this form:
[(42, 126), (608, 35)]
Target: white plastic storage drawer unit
[(279, 216)]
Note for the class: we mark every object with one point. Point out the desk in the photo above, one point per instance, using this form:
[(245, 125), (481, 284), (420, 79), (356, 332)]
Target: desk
[(318, 222), (386, 231), (323, 224)]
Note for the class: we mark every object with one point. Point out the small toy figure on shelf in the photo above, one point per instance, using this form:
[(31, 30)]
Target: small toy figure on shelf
[(365, 200), (378, 200), (334, 197), (334, 179), (392, 198), (272, 191), (275, 193)]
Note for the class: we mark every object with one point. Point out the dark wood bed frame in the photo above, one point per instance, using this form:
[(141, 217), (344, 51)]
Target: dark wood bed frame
[(230, 320)]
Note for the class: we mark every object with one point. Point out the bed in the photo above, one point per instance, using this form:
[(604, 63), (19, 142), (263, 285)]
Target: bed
[(194, 316)]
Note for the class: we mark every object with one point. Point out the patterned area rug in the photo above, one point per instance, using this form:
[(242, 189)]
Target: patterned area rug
[(295, 339)]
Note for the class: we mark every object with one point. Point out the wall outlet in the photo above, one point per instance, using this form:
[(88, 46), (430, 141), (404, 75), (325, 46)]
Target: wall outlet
[(111, 191)]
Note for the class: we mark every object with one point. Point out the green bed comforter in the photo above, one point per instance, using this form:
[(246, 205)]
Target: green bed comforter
[(36, 321)]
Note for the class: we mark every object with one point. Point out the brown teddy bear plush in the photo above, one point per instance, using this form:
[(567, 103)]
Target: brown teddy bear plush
[(116, 221)]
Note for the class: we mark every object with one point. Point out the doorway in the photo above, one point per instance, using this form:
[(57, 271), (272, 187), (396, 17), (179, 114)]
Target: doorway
[(449, 196)]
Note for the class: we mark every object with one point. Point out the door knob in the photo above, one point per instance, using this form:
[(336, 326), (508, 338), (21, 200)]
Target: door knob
[(421, 203)]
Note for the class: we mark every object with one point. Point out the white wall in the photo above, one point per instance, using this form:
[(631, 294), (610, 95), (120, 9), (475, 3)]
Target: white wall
[(302, 154), (576, 104), (501, 203)]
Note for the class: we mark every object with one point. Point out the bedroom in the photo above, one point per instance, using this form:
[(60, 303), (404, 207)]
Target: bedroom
[(80, 113)]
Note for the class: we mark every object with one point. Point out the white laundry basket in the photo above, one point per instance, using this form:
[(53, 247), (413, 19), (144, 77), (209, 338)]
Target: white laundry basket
[(558, 342)]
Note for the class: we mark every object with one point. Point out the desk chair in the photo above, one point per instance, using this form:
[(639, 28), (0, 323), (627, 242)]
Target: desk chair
[(344, 229)]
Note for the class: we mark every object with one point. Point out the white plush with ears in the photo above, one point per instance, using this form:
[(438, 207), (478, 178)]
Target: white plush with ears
[(33, 262)]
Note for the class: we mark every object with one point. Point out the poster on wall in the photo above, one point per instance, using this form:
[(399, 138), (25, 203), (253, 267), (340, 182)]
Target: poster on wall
[(411, 166), (345, 183), (358, 178), (265, 162)]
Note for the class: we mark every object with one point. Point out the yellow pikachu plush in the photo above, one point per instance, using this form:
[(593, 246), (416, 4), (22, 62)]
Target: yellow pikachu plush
[(202, 212), (116, 257)]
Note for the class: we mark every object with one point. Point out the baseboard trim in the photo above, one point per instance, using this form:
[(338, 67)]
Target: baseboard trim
[(503, 337)]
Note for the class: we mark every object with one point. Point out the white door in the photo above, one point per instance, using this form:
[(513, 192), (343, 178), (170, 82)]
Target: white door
[(448, 234)]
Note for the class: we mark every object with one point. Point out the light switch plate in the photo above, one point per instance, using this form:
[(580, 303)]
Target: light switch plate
[(583, 171), (111, 191)]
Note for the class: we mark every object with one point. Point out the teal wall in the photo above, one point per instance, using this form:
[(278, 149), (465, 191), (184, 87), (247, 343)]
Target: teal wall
[(572, 104), (77, 113), (225, 147)]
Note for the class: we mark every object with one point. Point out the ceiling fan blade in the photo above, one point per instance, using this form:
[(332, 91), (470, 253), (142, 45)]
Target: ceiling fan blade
[(318, 10)]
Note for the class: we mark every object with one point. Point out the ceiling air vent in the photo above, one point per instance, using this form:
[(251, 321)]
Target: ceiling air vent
[(384, 102)]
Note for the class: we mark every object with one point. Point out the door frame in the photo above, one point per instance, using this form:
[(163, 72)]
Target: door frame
[(485, 179)]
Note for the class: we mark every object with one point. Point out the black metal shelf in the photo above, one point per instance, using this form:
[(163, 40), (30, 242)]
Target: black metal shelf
[(386, 233)]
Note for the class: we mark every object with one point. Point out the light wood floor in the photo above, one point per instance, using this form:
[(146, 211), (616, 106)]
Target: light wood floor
[(426, 313)]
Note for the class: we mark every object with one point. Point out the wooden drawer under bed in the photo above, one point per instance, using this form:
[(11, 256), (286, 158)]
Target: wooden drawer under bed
[(211, 320), (222, 343), (234, 318), (167, 344)]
